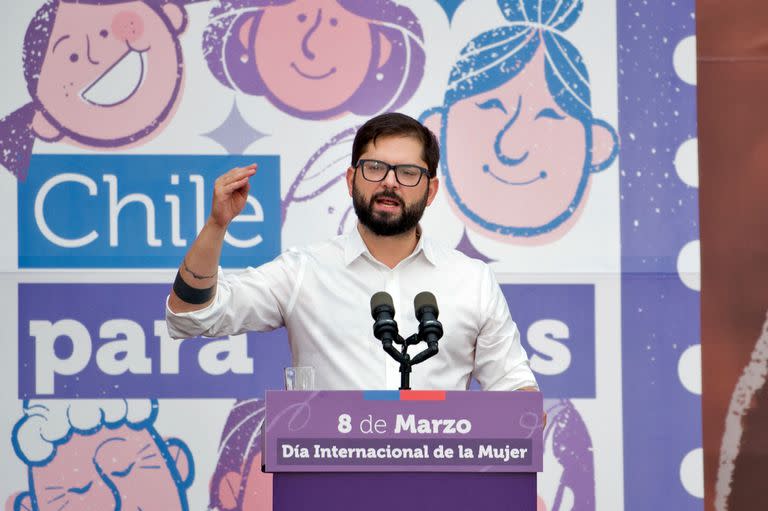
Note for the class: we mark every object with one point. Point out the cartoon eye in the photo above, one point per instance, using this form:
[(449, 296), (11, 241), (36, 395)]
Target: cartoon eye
[(82, 489), (104, 33), (302, 17), (333, 22), (549, 113), (491, 104), (123, 473), (74, 57)]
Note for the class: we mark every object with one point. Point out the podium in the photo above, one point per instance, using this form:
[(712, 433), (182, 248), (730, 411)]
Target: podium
[(402, 450)]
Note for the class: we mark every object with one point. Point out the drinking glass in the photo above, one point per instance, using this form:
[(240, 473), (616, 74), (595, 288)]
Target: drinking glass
[(300, 378)]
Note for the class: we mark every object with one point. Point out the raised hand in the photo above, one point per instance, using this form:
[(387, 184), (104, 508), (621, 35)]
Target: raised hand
[(230, 192)]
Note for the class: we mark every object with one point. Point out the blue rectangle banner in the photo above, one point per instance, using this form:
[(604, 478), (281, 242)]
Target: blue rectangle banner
[(139, 211)]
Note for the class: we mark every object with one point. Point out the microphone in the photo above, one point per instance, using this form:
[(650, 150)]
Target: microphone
[(385, 329), (430, 329), (384, 326)]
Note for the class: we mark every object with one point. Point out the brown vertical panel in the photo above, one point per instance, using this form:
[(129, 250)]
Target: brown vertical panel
[(733, 167)]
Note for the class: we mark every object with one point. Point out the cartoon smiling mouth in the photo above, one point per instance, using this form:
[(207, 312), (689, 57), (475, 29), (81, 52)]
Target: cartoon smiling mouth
[(487, 170), (119, 82), (313, 77)]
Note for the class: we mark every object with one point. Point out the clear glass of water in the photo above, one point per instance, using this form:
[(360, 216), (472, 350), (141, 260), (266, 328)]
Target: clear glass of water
[(300, 378)]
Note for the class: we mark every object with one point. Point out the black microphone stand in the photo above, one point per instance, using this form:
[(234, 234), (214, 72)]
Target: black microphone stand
[(405, 360), (385, 330)]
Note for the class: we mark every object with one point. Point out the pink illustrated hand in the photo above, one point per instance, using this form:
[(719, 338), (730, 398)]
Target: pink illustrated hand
[(230, 193)]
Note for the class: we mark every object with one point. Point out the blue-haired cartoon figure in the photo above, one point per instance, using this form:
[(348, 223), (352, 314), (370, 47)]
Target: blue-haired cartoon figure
[(519, 140), (99, 454), (101, 74), (317, 59)]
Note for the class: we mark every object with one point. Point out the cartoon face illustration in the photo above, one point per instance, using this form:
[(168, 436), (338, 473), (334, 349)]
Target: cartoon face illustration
[(101, 73), (319, 191), (238, 482), (255, 490), (513, 143), (111, 469), (117, 462), (518, 136), (310, 56), (111, 73), (568, 454), (317, 59)]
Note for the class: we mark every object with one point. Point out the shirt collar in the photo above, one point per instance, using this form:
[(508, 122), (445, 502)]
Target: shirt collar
[(354, 247)]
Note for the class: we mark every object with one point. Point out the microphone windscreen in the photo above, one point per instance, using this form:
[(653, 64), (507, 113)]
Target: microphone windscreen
[(425, 299), (382, 298)]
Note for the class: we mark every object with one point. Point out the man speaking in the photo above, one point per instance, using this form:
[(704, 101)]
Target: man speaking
[(321, 293)]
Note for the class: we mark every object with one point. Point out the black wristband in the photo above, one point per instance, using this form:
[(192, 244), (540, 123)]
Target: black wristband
[(190, 294)]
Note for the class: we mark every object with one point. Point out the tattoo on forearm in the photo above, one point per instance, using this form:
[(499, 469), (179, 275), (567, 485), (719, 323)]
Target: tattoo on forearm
[(196, 275)]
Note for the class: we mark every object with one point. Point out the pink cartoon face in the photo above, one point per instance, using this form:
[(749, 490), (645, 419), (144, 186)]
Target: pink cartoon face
[(322, 57), (521, 157), (257, 489), (112, 469), (257, 495), (111, 73), (515, 158)]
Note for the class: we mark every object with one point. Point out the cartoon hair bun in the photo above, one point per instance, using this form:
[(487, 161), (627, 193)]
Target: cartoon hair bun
[(556, 14)]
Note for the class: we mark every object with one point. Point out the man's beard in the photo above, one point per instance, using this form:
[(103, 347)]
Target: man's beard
[(386, 224)]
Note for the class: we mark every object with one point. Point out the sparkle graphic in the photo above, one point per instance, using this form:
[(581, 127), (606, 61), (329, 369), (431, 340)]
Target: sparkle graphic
[(235, 134), (467, 248)]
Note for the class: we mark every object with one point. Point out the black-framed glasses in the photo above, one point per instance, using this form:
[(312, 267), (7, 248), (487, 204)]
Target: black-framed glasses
[(406, 175)]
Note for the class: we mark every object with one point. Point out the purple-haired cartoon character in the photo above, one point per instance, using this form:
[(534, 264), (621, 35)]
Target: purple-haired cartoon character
[(317, 59), (567, 440), (238, 483), (320, 175), (99, 454), (101, 73)]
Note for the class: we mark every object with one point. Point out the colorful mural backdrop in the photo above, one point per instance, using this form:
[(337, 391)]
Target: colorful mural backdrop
[(568, 132)]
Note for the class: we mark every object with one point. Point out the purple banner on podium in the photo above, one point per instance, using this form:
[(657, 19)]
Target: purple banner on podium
[(403, 431)]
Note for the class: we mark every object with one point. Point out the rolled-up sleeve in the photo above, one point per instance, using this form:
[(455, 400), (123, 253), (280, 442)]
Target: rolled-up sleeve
[(501, 363), (257, 299)]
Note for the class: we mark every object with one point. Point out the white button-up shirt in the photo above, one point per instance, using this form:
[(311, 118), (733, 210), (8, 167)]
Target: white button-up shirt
[(322, 293)]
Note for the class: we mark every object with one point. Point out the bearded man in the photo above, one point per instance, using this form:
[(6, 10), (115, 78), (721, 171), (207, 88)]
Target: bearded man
[(321, 293)]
